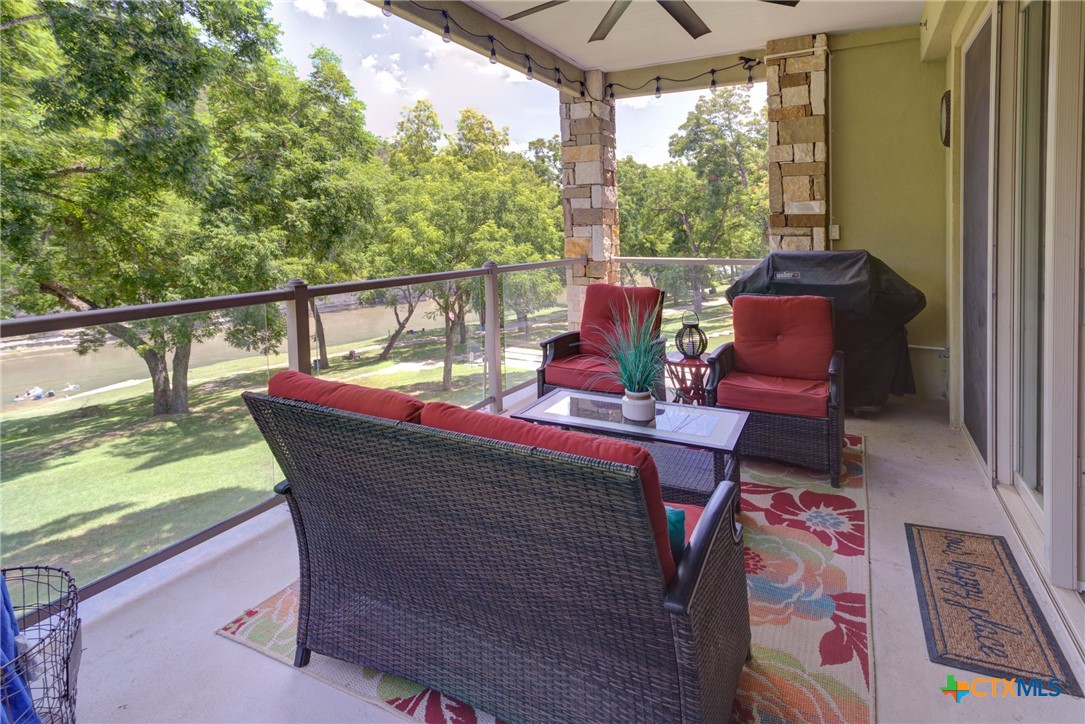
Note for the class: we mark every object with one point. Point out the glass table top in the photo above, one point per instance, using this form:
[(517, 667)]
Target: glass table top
[(711, 428)]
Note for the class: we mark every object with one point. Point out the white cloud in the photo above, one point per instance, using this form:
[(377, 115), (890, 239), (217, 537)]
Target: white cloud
[(638, 102), (420, 94), (357, 8), (386, 78), (316, 8), (369, 62), (394, 57)]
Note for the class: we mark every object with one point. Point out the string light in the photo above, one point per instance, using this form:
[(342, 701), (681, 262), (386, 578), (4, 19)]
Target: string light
[(747, 64), (387, 9)]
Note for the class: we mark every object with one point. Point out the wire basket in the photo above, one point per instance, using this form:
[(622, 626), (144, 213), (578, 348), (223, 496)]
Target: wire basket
[(46, 604)]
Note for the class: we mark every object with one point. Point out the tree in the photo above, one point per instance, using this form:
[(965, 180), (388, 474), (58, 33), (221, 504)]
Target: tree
[(147, 158), (468, 203), (711, 201), (545, 157)]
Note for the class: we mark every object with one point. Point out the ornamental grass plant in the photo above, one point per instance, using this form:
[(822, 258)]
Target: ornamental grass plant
[(635, 352)]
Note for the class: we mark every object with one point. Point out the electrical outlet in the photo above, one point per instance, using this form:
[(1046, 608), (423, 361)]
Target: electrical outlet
[(834, 232)]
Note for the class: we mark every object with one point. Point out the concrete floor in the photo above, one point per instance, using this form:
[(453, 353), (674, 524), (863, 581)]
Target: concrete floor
[(151, 653)]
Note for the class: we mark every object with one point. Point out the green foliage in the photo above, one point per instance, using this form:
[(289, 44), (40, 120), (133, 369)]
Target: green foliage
[(634, 350), (712, 200)]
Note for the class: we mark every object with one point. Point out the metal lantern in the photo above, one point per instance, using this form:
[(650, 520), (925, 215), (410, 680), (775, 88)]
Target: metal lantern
[(690, 340)]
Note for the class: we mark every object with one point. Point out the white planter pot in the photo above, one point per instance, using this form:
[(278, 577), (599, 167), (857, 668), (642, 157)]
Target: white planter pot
[(638, 406)]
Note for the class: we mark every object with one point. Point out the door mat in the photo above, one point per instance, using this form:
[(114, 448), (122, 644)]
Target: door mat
[(978, 612)]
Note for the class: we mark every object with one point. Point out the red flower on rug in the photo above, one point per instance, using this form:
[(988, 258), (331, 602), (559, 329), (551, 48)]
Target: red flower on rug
[(835, 519), (848, 639)]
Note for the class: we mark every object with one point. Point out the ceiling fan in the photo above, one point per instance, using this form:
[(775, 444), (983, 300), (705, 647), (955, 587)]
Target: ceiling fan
[(677, 9)]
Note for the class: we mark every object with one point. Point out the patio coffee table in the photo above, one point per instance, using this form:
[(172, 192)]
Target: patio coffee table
[(694, 447)]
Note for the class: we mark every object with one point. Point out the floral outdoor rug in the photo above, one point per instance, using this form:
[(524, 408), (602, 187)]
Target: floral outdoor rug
[(809, 586)]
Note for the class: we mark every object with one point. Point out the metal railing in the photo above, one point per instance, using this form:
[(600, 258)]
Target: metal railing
[(296, 296)]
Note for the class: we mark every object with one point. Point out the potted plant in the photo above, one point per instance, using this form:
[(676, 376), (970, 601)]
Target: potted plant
[(635, 355)]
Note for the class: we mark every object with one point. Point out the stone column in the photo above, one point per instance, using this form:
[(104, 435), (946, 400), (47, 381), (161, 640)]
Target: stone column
[(590, 193), (797, 70)]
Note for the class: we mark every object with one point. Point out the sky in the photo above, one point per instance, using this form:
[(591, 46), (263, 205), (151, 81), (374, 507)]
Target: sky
[(393, 64)]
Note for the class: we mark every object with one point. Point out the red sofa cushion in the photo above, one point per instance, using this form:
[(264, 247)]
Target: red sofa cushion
[(444, 416), (783, 336), (343, 396), (583, 372), (603, 305), (693, 514), (783, 395)]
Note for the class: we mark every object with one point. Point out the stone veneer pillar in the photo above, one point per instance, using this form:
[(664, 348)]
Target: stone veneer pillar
[(798, 157), (590, 190)]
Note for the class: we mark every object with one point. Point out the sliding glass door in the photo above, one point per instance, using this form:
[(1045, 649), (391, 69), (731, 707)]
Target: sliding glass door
[(1030, 244)]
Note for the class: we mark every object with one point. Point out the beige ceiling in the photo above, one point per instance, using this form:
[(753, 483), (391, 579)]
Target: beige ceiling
[(646, 35)]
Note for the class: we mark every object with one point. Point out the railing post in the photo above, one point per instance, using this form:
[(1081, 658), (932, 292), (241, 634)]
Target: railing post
[(297, 327), (493, 336)]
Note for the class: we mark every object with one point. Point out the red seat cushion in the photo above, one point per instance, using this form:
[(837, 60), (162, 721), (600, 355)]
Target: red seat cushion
[(693, 514), (783, 395), (604, 304), (783, 336), (343, 396), (583, 372), (456, 419)]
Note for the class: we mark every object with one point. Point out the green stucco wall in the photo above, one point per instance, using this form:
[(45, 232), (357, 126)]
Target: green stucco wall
[(887, 166)]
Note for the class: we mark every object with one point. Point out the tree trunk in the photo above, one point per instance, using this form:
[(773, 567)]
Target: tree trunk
[(401, 324), (160, 380), (522, 318), (462, 324), (446, 380), (321, 343), (697, 290), (181, 355)]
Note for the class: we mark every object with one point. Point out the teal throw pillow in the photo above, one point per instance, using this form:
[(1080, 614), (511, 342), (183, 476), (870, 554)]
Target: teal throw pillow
[(676, 530)]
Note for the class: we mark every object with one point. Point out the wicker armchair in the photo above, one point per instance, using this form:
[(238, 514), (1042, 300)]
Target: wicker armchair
[(522, 581), (578, 359), (783, 369)]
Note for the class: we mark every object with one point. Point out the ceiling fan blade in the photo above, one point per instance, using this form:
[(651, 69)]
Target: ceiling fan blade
[(536, 9), (684, 15), (789, 3), (608, 21)]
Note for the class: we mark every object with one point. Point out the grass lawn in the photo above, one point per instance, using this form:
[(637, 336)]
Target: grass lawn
[(94, 483)]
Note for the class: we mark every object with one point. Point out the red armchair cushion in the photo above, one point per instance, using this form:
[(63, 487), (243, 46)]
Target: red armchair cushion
[(342, 396), (456, 419), (782, 395), (783, 336), (582, 372), (603, 305)]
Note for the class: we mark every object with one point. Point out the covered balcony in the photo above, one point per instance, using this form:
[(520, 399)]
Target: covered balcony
[(170, 524)]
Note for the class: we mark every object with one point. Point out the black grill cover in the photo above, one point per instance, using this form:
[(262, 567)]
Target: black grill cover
[(871, 302)]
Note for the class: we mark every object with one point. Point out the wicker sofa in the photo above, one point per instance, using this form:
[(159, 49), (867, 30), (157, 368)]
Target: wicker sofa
[(521, 580)]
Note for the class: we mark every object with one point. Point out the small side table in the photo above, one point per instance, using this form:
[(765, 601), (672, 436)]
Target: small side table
[(688, 375)]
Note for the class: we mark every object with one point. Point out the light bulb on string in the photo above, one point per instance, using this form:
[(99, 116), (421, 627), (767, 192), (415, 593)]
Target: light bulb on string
[(493, 52), (749, 80), (712, 86), (659, 91), (583, 90), (387, 9), (447, 36), (530, 71), (557, 77), (610, 87)]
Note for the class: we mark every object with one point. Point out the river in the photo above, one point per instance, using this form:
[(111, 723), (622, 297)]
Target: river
[(52, 367)]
